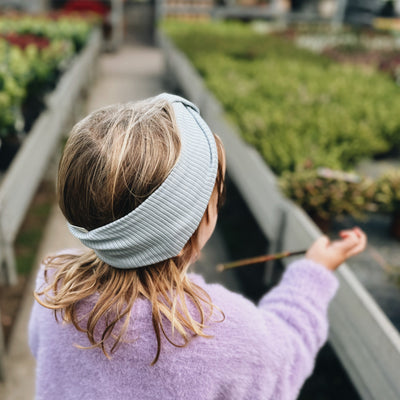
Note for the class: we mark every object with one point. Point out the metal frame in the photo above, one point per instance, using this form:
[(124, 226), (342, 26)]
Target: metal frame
[(25, 172), (29, 166), (366, 342)]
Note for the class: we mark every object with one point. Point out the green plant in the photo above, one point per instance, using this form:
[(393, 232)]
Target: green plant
[(388, 191), (74, 28), (292, 105), (33, 52), (11, 97), (325, 198), (301, 111)]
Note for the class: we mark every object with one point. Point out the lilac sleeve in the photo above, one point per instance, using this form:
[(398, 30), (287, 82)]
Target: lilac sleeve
[(33, 337), (32, 330), (296, 316)]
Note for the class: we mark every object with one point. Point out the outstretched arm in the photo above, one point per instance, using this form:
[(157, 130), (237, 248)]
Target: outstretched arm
[(295, 312)]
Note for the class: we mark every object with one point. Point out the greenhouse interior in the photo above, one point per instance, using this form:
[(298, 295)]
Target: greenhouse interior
[(304, 96)]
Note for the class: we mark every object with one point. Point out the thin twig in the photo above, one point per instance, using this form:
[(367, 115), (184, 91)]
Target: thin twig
[(259, 259)]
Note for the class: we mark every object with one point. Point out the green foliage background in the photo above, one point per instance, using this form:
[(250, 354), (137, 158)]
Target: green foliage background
[(31, 72), (296, 107)]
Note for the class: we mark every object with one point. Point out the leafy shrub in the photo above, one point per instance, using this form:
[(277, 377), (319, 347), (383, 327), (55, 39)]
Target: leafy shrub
[(299, 109), (388, 191), (74, 28), (294, 106), (33, 53), (322, 197)]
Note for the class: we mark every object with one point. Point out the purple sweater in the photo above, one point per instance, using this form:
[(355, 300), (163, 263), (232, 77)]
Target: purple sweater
[(258, 352)]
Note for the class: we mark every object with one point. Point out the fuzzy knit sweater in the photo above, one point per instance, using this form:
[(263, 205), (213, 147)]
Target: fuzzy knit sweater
[(263, 351)]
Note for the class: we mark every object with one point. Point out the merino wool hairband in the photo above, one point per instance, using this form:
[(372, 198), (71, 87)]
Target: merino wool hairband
[(159, 227)]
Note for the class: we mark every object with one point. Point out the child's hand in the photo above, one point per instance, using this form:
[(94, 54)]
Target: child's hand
[(332, 254)]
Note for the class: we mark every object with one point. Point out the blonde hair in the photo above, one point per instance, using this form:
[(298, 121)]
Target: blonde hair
[(114, 159)]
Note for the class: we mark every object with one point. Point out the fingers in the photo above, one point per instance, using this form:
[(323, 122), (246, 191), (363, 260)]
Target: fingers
[(361, 244), (333, 254), (353, 241), (356, 230), (349, 239)]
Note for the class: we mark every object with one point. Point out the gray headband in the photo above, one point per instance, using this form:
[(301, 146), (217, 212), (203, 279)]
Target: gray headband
[(159, 228)]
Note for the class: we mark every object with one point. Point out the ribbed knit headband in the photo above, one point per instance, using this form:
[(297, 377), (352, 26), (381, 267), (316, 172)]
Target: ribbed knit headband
[(159, 227)]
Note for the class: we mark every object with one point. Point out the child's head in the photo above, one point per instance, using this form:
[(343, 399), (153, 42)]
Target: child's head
[(119, 156), (151, 167)]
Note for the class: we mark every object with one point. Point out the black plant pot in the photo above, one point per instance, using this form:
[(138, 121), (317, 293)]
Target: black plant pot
[(395, 225), (324, 224), (31, 109)]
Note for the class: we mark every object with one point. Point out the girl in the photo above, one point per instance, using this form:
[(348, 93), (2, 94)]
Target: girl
[(140, 185)]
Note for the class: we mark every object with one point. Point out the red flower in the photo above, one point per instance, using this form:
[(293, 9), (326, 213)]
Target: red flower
[(84, 5)]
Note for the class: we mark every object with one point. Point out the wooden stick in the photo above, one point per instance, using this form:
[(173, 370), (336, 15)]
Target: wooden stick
[(259, 259)]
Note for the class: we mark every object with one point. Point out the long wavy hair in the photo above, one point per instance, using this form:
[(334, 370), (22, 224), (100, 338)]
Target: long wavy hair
[(113, 160)]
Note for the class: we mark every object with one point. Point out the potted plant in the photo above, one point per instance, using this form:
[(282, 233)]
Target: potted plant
[(325, 194), (11, 95), (388, 198)]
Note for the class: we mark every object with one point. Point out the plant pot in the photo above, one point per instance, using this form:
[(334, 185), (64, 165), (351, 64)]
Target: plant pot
[(324, 224), (9, 147), (395, 225), (31, 108)]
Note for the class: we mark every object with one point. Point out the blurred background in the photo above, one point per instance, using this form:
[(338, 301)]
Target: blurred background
[(305, 95)]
